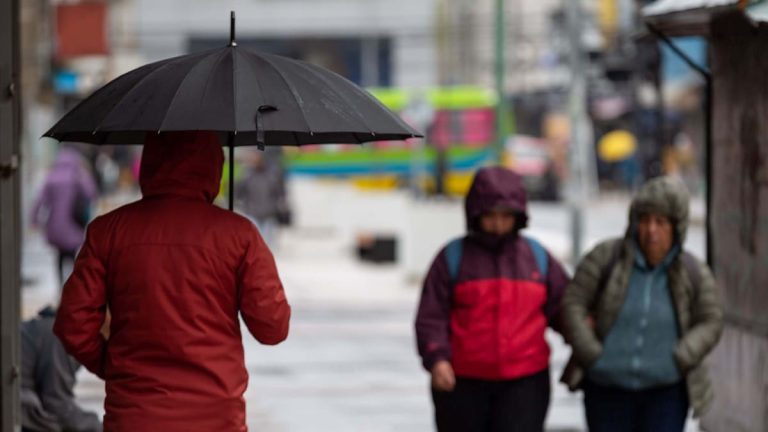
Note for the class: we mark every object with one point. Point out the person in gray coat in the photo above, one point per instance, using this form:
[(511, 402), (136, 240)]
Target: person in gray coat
[(641, 314), (47, 381), (260, 193)]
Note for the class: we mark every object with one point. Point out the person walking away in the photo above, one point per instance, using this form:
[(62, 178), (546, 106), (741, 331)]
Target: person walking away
[(485, 305), (174, 271), (641, 314), (47, 381), (63, 206), (260, 193)]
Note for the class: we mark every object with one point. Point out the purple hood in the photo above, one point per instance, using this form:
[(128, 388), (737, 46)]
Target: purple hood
[(495, 187)]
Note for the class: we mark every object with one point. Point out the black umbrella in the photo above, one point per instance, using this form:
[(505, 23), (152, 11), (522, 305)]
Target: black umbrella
[(250, 98)]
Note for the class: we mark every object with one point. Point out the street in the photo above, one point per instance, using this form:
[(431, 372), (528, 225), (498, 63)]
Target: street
[(350, 362)]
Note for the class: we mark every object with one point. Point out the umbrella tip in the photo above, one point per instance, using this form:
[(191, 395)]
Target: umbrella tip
[(232, 42)]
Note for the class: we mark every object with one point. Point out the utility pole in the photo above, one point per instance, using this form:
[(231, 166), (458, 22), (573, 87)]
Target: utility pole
[(581, 154), (500, 61), (10, 238)]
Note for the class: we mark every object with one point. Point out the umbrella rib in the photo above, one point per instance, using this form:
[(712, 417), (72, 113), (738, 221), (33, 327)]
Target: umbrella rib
[(333, 87), (98, 92), (144, 78), (295, 94), (181, 84), (98, 127)]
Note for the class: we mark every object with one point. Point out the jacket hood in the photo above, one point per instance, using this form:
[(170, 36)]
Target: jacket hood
[(182, 163), (495, 187), (665, 196)]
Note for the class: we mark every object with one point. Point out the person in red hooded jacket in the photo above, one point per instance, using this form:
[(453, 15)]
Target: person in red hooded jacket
[(174, 271), (485, 306)]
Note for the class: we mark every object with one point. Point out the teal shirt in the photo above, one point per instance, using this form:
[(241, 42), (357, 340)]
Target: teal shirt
[(638, 350)]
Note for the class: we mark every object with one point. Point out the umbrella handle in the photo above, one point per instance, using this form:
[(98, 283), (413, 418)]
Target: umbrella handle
[(259, 131), (260, 125)]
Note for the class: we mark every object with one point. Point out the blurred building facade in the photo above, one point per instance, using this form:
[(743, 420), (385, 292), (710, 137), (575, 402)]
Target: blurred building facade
[(374, 43), (465, 43)]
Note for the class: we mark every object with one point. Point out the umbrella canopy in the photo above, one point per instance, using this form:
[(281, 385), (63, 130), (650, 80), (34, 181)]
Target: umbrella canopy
[(250, 98), (258, 98), (255, 96)]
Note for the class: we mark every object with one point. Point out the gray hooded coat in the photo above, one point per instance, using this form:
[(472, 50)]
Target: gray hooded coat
[(47, 381), (698, 310)]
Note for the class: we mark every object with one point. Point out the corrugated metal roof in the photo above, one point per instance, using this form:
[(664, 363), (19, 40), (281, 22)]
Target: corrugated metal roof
[(663, 7)]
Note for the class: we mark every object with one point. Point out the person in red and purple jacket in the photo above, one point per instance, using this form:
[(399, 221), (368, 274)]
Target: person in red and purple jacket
[(485, 306)]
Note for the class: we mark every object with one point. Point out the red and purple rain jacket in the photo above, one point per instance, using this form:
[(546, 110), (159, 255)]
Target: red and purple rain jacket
[(489, 321)]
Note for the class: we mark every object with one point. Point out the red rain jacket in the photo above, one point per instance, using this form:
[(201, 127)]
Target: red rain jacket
[(174, 270), (490, 321)]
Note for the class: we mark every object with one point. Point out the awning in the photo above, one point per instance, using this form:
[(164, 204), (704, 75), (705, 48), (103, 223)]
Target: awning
[(692, 17)]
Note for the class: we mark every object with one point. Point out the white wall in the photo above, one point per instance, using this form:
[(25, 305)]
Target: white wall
[(165, 26)]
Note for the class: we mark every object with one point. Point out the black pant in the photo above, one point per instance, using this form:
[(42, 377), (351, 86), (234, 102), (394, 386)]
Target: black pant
[(660, 409), (518, 405)]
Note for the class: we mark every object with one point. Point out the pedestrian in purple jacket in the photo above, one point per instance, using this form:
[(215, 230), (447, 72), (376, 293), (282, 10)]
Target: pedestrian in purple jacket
[(485, 306), (63, 205)]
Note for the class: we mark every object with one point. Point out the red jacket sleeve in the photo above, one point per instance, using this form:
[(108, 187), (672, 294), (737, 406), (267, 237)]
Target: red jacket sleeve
[(83, 305), (263, 305), (433, 318)]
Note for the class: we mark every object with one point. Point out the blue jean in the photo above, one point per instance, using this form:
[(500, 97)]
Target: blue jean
[(659, 409)]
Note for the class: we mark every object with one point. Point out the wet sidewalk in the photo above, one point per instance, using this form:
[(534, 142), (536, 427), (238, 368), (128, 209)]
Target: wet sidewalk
[(350, 362)]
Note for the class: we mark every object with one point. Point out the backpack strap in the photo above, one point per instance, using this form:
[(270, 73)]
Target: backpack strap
[(605, 272), (453, 254), (540, 254), (542, 264), (454, 251), (692, 268)]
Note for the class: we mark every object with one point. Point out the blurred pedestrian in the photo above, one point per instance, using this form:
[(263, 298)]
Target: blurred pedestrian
[(260, 192), (47, 381), (641, 314), (174, 271), (63, 206), (486, 303)]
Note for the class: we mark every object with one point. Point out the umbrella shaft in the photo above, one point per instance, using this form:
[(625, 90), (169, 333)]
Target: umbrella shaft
[(231, 173)]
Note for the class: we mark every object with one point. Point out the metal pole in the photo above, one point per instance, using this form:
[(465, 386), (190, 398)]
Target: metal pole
[(10, 226), (701, 70), (576, 108), (499, 75)]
